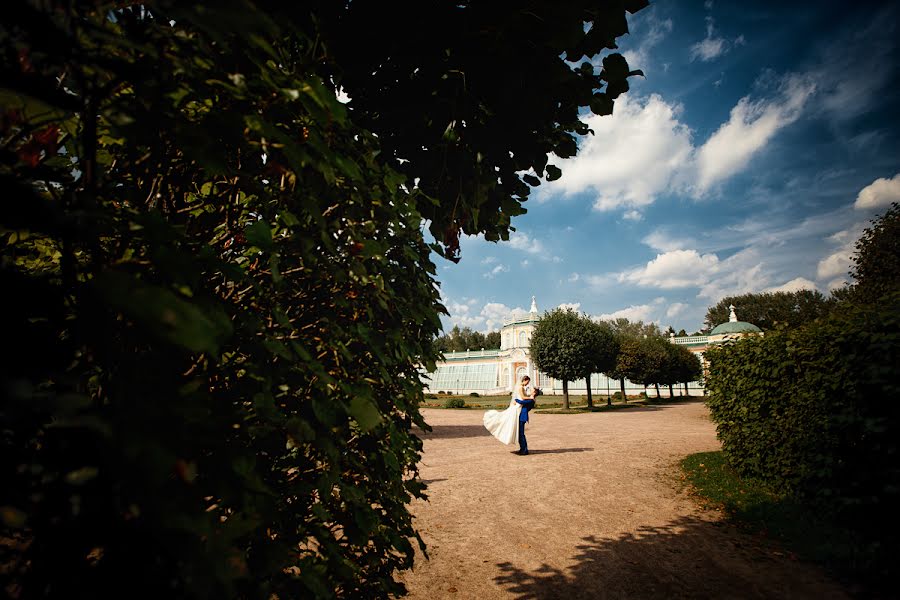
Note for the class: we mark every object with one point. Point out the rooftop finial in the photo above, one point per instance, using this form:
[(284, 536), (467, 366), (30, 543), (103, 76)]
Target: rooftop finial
[(732, 318), (533, 305)]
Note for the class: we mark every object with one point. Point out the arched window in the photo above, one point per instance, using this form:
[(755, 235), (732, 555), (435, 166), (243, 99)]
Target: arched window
[(522, 340)]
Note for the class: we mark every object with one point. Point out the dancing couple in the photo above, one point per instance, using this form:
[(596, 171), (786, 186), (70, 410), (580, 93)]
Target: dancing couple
[(509, 425)]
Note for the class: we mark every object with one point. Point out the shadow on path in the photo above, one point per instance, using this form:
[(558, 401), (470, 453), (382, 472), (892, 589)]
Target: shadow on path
[(453, 431), (560, 450), (687, 558)]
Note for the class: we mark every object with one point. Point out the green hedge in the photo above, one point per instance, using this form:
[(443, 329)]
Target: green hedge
[(814, 412)]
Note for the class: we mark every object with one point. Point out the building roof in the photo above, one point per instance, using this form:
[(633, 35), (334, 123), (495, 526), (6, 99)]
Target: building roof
[(735, 326)]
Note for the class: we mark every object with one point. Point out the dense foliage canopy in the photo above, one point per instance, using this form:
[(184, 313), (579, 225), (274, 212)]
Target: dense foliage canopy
[(769, 310), (460, 340), (876, 262), (222, 293), (561, 346)]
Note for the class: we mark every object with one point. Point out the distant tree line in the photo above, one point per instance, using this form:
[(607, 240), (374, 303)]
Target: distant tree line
[(569, 346), (460, 340)]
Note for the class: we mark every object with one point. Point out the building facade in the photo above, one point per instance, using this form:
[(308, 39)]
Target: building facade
[(494, 372)]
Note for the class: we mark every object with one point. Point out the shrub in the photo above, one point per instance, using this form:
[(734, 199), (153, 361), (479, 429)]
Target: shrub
[(441, 393), (475, 395), (454, 403), (813, 412), (618, 396), (431, 396)]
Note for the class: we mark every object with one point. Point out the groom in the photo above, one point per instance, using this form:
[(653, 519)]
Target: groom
[(527, 405)]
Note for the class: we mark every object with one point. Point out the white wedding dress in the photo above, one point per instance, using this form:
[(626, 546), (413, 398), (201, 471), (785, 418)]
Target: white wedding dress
[(504, 425)]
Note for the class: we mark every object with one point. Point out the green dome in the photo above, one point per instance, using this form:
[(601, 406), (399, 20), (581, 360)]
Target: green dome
[(735, 327)]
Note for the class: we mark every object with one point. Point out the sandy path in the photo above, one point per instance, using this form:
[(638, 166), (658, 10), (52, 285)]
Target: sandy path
[(596, 511)]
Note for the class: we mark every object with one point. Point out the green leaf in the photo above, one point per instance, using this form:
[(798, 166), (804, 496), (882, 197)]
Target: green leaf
[(165, 315), (365, 412), (601, 104), (553, 173), (259, 234)]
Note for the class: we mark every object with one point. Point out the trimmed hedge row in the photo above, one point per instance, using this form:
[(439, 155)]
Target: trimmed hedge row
[(815, 412)]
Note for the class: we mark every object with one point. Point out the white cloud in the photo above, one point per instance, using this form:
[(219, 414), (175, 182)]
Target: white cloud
[(576, 306), (635, 312), (632, 156), (749, 128), (633, 215), (487, 260), (496, 271), (522, 241), (675, 309), (794, 285), (711, 46), (662, 241), (489, 318), (574, 277), (880, 193), (836, 283), (674, 269), (835, 264)]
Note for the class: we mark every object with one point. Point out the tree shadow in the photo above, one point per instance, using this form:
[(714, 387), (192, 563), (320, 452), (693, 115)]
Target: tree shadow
[(559, 450), (687, 558), (453, 431)]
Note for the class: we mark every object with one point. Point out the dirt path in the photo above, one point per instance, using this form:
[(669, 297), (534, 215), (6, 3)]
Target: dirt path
[(596, 511)]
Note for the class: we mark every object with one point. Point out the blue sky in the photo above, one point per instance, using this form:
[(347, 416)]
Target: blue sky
[(762, 141)]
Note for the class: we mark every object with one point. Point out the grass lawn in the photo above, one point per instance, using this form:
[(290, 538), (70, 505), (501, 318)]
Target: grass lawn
[(755, 508)]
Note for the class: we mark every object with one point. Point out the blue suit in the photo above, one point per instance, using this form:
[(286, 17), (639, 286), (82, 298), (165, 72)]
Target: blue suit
[(527, 405)]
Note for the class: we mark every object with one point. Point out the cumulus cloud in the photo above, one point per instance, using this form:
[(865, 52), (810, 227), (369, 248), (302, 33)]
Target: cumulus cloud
[(674, 269), (880, 193), (632, 156), (675, 309), (835, 264), (489, 318), (715, 278), (635, 312), (794, 285), (750, 127)]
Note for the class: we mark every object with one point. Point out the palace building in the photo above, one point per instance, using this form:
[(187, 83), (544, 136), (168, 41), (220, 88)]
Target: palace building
[(494, 372)]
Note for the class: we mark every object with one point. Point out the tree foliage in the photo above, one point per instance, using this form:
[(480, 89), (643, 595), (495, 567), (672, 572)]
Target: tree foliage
[(460, 340), (769, 310), (222, 294), (561, 346), (604, 348), (876, 262)]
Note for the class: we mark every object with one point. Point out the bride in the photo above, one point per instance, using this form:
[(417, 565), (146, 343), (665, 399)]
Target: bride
[(504, 425)]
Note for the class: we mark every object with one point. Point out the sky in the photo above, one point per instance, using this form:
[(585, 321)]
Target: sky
[(762, 141)]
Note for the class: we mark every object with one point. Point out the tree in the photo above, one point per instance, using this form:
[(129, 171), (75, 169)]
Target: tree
[(222, 291), (876, 262), (561, 346), (628, 334), (648, 362), (771, 309), (492, 340), (687, 367), (604, 350), (460, 340)]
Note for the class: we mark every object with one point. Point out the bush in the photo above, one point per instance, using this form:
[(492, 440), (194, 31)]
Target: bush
[(454, 403), (813, 412), (431, 396), (475, 395), (441, 393), (618, 396)]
